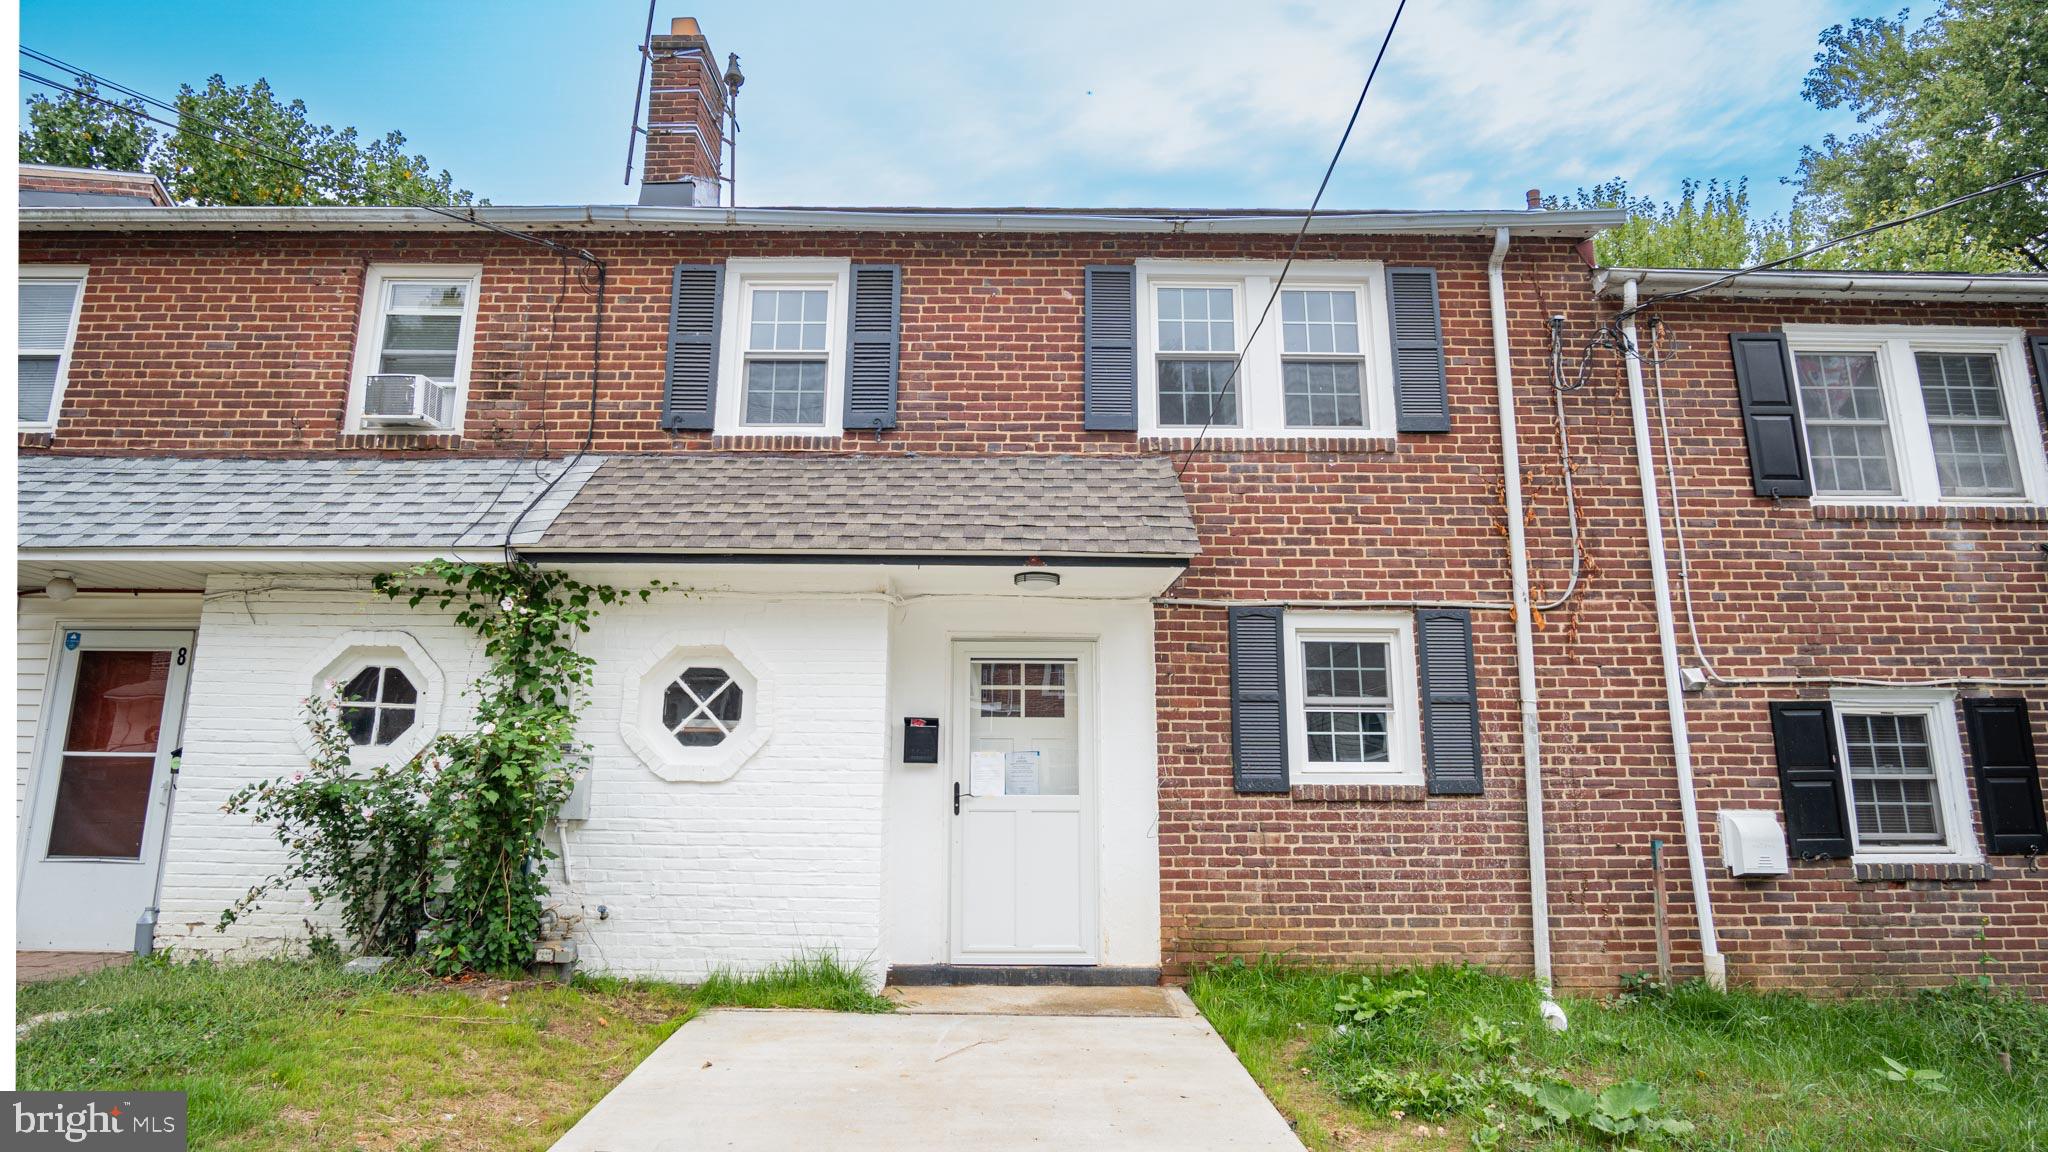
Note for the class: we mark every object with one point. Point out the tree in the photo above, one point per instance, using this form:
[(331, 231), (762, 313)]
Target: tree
[(1957, 104), (235, 145), (1708, 226), (88, 132)]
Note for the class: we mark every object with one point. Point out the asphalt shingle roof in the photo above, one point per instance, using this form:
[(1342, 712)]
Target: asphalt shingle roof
[(1008, 504), (335, 502)]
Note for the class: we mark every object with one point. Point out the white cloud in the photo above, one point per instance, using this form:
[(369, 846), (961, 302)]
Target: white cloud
[(1211, 103)]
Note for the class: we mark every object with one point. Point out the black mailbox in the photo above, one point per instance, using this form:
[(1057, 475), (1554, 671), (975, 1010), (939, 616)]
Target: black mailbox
[(920, 740)]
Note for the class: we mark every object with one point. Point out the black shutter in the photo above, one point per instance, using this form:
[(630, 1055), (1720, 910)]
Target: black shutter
[(1450, 702), (1109, 350), (2040, 344), (872, 342), (1421, 398), (2008, 780), (1770, 414), (1258, 700), (691, 379), (1810, 779)]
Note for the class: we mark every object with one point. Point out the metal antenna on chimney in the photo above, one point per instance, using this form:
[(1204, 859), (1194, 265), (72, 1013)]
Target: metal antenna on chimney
[(733, 79), (640, 90)]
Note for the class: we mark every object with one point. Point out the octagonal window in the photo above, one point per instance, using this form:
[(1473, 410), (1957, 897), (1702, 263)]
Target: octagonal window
[(378, 704), (701, 707)]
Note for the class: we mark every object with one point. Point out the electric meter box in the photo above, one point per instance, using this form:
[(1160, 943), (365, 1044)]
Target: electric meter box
[(1752, 843)]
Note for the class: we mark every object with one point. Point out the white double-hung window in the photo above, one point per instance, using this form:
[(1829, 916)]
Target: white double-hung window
[(49, 299), (418, 324), (782, 366), (1320, 364), (1918, 415), (1352, 706), (1902, 763)]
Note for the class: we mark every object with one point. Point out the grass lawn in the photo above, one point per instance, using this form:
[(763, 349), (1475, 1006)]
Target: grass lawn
[(298, 1054), (1746, 1071)]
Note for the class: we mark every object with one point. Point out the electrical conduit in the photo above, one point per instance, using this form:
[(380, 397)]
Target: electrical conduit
[(1667, 642), (1525, 636)]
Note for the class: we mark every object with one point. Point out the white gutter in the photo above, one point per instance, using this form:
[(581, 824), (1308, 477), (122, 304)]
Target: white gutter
[(1574, 224), (1525, 635), (1667, 643), (2013, 288)]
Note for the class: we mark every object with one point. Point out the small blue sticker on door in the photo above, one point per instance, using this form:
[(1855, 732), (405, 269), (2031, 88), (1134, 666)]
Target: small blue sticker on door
[(71, 641)]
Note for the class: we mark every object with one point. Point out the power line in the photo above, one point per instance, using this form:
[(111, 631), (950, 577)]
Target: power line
[(1987, 190), (1295, 248)]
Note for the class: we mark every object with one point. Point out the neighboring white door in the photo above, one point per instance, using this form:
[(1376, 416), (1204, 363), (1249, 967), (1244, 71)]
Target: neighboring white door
[(100, 788), (1024, 836)]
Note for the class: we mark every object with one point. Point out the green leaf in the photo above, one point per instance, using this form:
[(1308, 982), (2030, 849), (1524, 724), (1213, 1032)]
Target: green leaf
[(1628, 1098)]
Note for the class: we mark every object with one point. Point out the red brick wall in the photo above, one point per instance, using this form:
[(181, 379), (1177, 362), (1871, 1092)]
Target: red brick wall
[(243, 344)]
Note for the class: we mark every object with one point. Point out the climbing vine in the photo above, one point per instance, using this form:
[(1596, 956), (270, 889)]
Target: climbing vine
[(445, 856)]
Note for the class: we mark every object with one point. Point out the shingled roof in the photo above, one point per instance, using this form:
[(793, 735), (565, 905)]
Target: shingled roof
[(994, 504), (332, 502)]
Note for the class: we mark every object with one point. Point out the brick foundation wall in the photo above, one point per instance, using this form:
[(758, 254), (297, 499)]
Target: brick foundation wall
[(243, 344)]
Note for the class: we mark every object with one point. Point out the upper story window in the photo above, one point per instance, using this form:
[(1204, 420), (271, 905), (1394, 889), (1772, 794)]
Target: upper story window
[(49, 299), (1319, 366), (1353, 716), (413, 350), (785, 322), (1918, 415)]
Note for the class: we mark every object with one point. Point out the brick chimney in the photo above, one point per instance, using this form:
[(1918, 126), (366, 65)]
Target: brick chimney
[(685, 119)]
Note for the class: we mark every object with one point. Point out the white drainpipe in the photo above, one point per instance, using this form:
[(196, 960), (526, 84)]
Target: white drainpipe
[(1667, 641), (1525, 635)]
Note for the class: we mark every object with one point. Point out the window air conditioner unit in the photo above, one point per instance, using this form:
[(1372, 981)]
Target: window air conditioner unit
[(404, 400)]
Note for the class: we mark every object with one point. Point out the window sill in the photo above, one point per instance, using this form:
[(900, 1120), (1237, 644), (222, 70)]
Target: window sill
[(777, 441), (1922, 870), (1354, 445), (36, 438), (2016, 513), (1314, 793), (391, 438)]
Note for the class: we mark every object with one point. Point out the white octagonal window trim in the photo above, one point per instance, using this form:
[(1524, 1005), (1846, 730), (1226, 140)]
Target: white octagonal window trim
[(694, 709), (399, 691)]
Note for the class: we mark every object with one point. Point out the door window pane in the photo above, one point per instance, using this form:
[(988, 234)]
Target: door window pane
[(118, 703), (1847, 436), (1025, 715), (102, 806), (1973, 449)]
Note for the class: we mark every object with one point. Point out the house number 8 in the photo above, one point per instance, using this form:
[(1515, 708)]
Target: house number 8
[(181, 657)]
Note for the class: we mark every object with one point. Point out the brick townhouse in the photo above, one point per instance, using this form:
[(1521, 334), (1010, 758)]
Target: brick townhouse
[(1014, 631)]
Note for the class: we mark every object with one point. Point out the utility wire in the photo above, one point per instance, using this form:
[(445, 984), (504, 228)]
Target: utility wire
[(1295, 248), (1987, 190)]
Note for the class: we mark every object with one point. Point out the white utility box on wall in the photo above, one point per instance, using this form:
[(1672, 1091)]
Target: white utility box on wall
[(1752, 843)]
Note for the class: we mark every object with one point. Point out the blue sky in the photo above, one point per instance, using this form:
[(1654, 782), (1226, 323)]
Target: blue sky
[(1185, 103)]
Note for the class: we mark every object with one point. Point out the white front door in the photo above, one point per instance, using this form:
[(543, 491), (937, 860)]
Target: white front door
[(1024, 826), (100, 788)]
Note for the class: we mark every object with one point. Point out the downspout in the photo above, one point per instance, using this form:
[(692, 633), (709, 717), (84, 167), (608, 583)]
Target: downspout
[(1667, 642), (1525, 635)]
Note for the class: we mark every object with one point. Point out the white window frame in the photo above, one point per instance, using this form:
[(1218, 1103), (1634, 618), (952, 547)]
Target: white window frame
[(742, 276), (63, 272), (1912, 441), (1404, 719), (1959, 844), (1261, 395), (370, 341)]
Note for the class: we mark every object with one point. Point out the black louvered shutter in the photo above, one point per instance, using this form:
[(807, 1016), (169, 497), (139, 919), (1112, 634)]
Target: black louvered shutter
[(691, 381), (2008, 779), (2040, 344), (1770, 414), (1109, 349), (873, 339), (1450, 702), (1258, 700), (1421, 398), (1810, 779)]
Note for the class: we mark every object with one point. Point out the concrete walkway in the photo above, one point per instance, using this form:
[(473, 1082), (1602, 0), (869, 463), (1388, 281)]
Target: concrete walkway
[(984, 1069)]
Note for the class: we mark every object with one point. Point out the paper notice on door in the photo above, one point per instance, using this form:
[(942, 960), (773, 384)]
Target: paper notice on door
[(1021, 775), (985, 774)]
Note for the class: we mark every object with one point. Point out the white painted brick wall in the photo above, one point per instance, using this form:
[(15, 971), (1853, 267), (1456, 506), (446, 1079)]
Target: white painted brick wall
[(785, 856)]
